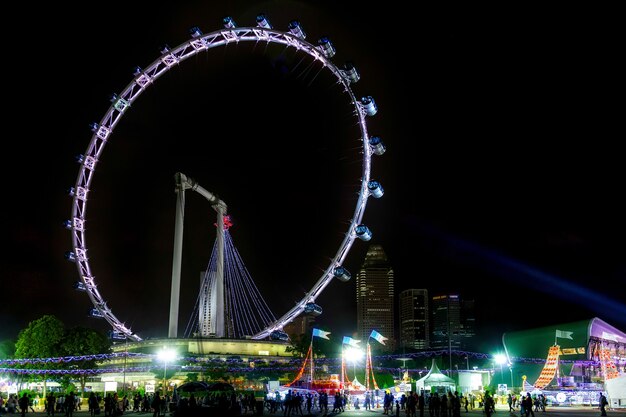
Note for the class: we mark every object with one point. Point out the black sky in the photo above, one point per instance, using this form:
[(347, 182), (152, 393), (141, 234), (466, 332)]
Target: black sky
[(503, 172)]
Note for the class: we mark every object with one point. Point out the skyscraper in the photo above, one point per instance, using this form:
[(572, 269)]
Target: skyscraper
[(446, 316), (414, 319), (375, 297), (300, 325), (453, 324)]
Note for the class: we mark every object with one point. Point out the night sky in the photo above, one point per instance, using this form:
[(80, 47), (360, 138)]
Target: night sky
[(503, 172)]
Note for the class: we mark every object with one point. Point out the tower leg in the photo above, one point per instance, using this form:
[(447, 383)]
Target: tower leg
[(176, 262), (219, 276)]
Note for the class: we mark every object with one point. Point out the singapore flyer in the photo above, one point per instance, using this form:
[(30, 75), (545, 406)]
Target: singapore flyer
[(305, 65), (497, 172)]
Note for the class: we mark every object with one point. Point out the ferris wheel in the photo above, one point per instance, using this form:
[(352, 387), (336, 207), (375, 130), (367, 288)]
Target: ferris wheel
[(294, 37)]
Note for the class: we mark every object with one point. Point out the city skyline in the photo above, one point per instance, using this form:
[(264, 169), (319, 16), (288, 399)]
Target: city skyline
[(488, 191)]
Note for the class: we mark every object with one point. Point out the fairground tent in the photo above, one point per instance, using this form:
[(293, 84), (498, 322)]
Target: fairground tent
[(435, 381)]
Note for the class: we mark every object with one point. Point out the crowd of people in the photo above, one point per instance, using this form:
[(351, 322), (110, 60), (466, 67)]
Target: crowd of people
[(288, 403), (63, 404)]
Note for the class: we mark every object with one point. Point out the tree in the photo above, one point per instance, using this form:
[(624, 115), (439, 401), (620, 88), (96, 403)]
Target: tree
[(42, 338), (79, 341), (7, 349)]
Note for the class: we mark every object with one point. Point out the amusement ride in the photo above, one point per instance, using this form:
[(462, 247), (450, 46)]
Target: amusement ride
[(218, 297)]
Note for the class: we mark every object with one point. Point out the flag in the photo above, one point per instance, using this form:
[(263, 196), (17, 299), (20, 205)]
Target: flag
[(564, 335), (321, 333), (350, 341), (379, 337)]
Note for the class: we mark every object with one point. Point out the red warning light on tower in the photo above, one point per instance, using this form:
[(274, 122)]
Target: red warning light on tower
[(227, 222)]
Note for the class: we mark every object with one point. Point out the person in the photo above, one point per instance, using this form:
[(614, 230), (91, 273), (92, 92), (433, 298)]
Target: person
[(487, 404), (603, 404), (70, 403), (23, 403), (92, 404), (156, 405), (421, 403), (51, 403), (528, 405)]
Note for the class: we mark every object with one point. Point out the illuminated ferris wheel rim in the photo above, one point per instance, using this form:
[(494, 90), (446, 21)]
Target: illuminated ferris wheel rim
[(145, 78)]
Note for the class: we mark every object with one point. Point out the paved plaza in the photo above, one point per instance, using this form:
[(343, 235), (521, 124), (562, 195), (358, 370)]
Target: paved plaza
[(500, 412)]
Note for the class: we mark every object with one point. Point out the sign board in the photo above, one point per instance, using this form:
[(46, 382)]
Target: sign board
[(273, 385), (110, 386), (149, 388), (12, 389)]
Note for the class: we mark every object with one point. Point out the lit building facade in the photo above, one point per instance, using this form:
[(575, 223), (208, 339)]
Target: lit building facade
[(375, 297), (453, 323), (414, 319)]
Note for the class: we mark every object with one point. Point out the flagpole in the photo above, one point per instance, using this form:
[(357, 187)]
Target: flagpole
[(343, 359), (311, 349), (367, 367)]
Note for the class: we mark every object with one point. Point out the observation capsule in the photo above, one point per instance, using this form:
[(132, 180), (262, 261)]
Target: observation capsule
[(165, 49), (68, 224), (80, 158), (229, 23), (342, 274), (351, 73), (94, 312), (70, 256), (378, 147), (326, 47), (313, 309), (279, 335), (375, 189), (370, 105), (363, 232), (137, 71), (71, 191), (262, 22), (80, 286), (195, 32), (296, 29)]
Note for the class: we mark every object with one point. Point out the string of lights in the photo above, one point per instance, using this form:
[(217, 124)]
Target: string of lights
[(243, 366)]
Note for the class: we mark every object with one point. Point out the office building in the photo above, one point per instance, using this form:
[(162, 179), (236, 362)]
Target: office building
[(414, 319), (375, 298)]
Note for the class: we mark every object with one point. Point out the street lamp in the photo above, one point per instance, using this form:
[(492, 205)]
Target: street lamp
[(500, 360), (165, 356), (353, 355)]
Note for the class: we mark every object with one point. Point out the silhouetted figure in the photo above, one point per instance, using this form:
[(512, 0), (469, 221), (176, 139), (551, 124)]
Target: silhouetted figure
[(603, 404), (23, 403)]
